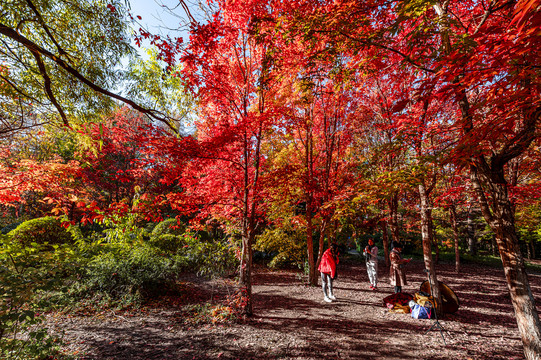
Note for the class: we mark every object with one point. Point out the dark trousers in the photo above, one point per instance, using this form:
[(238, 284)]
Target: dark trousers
[(397, 289)]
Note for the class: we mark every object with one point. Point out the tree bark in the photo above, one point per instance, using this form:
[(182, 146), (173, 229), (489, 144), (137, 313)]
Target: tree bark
[(385, 240), (312, 270), (246, 271), (472, 241), (494, 246), (393, 217), (323, 231), (488, 179), (426, 224), (501, 220)]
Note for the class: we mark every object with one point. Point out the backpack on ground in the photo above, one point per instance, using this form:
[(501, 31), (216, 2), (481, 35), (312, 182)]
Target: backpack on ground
[(421, 312)]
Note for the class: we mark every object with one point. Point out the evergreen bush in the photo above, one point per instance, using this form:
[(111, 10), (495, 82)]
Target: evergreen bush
[(41, 230)]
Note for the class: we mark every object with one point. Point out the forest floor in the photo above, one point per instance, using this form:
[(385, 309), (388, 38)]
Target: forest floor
[(291, 321)]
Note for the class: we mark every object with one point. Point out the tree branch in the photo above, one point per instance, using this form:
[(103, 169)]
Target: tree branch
[(47, 85), (35, 48), (407, 58), (46, 28)]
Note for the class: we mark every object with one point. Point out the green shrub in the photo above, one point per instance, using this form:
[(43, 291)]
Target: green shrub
[(168, 226), (167, 236), (289, 247), (41, 230), (129, 273), (27, 274), (211, 258), (168, 242)]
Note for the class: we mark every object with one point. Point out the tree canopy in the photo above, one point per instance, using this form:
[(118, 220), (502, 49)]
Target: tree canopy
[(319, 121)]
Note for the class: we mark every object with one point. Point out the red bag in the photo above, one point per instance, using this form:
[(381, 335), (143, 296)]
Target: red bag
[(398, 298)]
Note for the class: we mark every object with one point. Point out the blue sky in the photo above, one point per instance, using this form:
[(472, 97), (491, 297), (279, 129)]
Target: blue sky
[(154, 15), (157, 19)]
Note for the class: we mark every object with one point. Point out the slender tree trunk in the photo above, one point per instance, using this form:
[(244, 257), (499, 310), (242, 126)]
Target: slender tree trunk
[(245, 278), (249, 202), (472, 241), (246, 270), (312, 270), (494, 246), (456, 237), (309, 163), (393, 217), (437, 250), (323, 231), (426, 224), (385, 240)]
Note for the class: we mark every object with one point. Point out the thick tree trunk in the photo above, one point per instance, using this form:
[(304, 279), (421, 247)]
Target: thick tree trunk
[(426, 233), (519, 288), (501, 220), (488, 178), (454, 226), (385, 240)]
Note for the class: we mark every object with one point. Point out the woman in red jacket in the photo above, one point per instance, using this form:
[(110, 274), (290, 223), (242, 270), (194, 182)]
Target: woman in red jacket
[(327, 267)]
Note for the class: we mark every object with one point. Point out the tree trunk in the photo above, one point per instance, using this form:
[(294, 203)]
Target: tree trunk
[(494, 246), (312, 270), (323, 230), (426, 224), (437, 248), (246, 270), (472, 242), (385, 240), (393, 217), (454, 226), (488, 178), (501, 220)]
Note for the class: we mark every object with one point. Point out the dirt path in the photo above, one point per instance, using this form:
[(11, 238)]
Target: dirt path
[(293, 322)]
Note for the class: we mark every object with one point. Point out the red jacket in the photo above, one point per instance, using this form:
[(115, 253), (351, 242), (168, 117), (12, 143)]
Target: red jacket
[(328, 263)]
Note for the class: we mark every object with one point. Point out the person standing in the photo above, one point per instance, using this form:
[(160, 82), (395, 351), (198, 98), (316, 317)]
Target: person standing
[(371, 255), (398, 275), (327, 267)]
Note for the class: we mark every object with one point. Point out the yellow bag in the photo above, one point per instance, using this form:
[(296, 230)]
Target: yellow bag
[(400, 309), (422, 300)]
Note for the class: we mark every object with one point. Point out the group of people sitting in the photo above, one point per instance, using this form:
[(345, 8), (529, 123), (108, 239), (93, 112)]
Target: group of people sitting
[(330, 260)]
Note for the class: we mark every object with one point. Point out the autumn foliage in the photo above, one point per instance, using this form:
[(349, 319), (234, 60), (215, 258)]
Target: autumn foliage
[(327, 120)]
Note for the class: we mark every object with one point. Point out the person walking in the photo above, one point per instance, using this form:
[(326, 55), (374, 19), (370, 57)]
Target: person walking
[(327, 267), (398, 275), (371, 254)]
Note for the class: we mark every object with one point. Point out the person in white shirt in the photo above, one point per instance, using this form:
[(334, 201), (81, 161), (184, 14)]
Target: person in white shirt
[(371, 255)]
